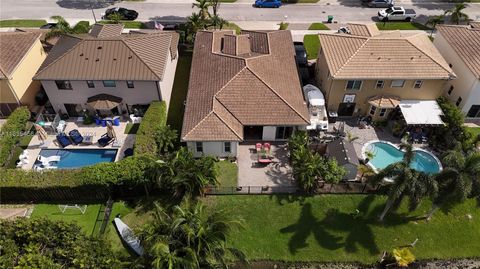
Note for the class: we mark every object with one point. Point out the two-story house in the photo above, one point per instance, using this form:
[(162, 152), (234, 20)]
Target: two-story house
[(21, 54), (105, 65), (460, 45), (370, 72), (242, 88)]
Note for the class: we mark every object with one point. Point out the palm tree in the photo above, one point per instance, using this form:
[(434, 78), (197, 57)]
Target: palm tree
[(194, 24), (456, 13), (433, 21), (63, 28), (217, 21), (165, 138), (365, 171), (306, 168), (203, 6)]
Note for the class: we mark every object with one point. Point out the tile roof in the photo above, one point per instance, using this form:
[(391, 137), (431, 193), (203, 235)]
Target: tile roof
[(384, 101), (388, 56), (120, 57), (363, 29), (475, 24), (234, 83), (13, 47), (106, 30), (465, 42)]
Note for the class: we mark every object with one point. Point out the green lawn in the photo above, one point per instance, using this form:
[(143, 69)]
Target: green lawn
[(23, 144), (401, 26), (131, 128), (326, 228), (180, 88), (128, 24), (312, 45), (22, 23), (227, 173), (318, 26), (86, 221), (474, 131)]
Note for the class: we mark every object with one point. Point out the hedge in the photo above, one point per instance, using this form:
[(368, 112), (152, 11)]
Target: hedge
[(11, 132), (153, 121)]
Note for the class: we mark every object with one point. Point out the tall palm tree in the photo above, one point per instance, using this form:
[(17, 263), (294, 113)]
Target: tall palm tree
[(203, 6), (406, 182), (457, 14), (433, 21), (217, 21)]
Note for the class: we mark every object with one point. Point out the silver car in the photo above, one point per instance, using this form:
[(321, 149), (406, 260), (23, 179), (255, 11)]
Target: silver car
[(379, 3)]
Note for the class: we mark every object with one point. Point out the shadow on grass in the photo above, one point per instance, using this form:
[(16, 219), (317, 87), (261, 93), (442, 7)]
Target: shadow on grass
[(288, 198)]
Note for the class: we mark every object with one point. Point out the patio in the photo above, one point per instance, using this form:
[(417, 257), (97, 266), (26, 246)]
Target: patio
[(126, 140), (276, 174)]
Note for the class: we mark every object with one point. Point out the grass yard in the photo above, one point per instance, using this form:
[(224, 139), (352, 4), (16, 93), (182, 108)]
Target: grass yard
[(131, 128), (318, 26), (402, 26), (22, 23), (312, 45), (227, 173), (474, 130), (326, 228), (128, 24)]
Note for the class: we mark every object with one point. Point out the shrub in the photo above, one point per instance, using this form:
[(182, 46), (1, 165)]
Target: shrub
[(153, 121), (283, 26), (11, 132)]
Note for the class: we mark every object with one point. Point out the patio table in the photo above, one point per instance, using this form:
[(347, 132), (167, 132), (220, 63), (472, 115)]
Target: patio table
[(87, 139)]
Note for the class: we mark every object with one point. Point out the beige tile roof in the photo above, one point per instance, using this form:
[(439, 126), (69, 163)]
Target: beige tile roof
[(465, 42), (389, 56), (384, 101), (231, 88), (13, 47), (475, 24), (121, 57), (173, 42), (363, 29)]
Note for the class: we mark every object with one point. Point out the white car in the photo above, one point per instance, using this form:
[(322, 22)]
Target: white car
[(396, 14)]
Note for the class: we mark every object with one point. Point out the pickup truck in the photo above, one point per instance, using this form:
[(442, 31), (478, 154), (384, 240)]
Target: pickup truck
[(396, 14)]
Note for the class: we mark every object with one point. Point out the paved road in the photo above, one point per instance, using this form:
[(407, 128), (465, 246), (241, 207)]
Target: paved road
[(343, 10)]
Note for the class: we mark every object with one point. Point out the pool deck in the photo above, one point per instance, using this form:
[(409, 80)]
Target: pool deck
[(35, 145)]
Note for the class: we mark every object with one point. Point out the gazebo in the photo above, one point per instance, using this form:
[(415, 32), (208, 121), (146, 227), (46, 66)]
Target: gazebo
[(381, 105)]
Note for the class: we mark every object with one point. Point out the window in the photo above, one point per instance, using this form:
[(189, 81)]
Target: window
[(372, 110), (379, 84), (383, 111), (417, 84), (90, 84), (474, 111), (227, 147), (459, 101), (283, 132), (354, 85), (63, 84), (130, 84), (398, 83), (109, 83), (199, 147), (450, 90)]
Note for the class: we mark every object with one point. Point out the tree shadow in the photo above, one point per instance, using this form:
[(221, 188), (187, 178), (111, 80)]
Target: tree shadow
[(288, 198), (85, 4)]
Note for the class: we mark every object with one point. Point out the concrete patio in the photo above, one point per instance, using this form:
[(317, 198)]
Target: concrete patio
[(276, 174)]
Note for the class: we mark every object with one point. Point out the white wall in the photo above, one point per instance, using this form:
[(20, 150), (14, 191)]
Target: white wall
[(213, 149), (169, 75), (269, 133)]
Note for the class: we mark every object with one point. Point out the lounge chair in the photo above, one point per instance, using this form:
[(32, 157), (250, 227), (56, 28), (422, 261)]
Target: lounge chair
[(40, 168), (76, 137), (105, 140), (63, 140), (47, 160)]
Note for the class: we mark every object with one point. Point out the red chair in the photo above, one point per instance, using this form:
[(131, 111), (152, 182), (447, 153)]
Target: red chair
[(258, 147)]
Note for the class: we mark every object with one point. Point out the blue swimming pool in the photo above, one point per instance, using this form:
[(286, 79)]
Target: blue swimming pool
[(75, 158), (386, 154)]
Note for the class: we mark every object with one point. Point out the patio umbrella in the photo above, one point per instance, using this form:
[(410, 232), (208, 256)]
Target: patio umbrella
[(111, 131), (104, 101), (42, 134)]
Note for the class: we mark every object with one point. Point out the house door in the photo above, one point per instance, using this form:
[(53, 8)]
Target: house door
[(346, 109), (253, 132), (73, 110), (283, 133)]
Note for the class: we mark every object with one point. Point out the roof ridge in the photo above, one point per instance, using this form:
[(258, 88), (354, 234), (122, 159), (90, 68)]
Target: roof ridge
[(228, 126), (408, 38), (203, 119), (143, 61), (228, 82), (61, 56), (351, 56)]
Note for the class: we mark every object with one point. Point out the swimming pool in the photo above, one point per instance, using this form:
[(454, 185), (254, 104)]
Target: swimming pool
[(75, 158), (387, 153)]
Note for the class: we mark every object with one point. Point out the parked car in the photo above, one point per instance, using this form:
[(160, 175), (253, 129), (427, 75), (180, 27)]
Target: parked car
[(379, 3), (396, 14), (268, 3), (300, 53), (127, 14), (49, 25)]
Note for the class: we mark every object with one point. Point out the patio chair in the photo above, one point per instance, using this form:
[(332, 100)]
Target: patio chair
[(63, 140), (45, 161), (76, 137), (258, 147), (105, 140)]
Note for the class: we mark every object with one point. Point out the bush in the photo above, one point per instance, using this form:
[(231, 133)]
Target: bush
[(152, 123), (283, 26), (12, 132)]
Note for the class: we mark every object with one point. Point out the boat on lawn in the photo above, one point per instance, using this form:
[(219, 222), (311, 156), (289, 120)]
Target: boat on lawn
[(128, 237)]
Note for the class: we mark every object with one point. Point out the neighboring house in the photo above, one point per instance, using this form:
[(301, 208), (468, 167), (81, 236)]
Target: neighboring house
[(21, 54), (369, 72), (242, 88), (132, 69), (460, 45), (344, 152)]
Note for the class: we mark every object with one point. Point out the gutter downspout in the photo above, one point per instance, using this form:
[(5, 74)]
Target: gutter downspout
[(157, 84)]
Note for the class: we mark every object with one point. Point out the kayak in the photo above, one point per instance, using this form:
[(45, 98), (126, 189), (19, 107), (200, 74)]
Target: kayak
[(127, 236)]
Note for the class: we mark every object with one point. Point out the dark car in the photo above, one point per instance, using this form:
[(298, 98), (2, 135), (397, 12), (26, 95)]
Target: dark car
[(300, 53), (268, 3), (379, 3), (127, 14)]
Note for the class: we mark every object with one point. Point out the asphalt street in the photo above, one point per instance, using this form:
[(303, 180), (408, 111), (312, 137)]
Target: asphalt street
[(342, 10)]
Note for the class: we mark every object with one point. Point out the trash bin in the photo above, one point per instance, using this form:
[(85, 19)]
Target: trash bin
[(329, 19), (332, 117)]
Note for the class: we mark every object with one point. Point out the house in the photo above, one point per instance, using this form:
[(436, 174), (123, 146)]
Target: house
[(369, 72), (460, 45), (344, 153), (125, 70), (21, 54), (242, 88)]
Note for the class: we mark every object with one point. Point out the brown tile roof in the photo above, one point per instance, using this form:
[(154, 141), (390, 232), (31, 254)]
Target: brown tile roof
[(465, 42), (389, 56), (121, 57), (106, 30), (13, 47), (363, 29), (475, 24), (384, 101), (241, 84)]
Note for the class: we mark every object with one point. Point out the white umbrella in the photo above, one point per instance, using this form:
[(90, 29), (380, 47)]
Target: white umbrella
[(111, 131)]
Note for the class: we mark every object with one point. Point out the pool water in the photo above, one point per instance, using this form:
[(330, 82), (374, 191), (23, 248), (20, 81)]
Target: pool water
[(75, 158), (386, 154)]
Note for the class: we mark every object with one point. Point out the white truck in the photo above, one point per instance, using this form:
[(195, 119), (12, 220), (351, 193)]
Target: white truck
[(396, 14)]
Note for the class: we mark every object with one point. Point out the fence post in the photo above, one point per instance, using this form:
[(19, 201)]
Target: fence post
[(364, 187)]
